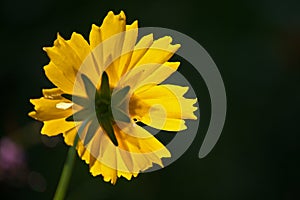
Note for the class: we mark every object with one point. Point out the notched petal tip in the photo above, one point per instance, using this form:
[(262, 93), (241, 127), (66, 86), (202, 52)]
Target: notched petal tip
[(58, 36), (32, 114), (59, 41), (31, 101), (122, 15), (94, 26), (133, 25), (176, 46), (110, 13), (164, 44), (45, 48), (55, 43), (149, 36), (34, 101), (169, 38), (111, 17)]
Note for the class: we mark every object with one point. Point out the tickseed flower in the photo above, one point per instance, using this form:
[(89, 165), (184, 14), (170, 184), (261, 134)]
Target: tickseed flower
[(104, 88)]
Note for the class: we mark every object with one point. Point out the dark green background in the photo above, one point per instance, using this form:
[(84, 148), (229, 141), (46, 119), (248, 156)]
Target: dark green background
[(255, 44)]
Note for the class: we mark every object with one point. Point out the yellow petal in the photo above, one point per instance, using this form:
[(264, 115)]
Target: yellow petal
[(109, 174), (140, 50), (46, 109), (66, 59), (80, 47), (162, 106), (56, 126), (69, 135), (148, 74), (128, 46), (138, 148), (137, 151), (68, 55), (159, 52), (113, 24), (53, 93), (112, 48), (96, 167), (111, 43), (95, 37), (149, 62), (56, 76)]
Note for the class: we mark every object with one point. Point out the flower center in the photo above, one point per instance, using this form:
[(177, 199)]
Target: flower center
[(103, 108), (109, 107)]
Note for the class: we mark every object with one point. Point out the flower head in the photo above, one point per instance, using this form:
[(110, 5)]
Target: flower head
[(103, 88)]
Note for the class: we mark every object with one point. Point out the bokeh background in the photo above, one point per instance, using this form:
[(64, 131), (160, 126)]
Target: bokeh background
[(255, 44)]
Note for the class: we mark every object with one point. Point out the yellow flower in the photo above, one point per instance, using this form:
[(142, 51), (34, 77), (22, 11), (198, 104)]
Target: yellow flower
[(122, 82)]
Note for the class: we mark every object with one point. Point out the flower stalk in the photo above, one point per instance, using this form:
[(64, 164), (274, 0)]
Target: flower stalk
[(66, 172)]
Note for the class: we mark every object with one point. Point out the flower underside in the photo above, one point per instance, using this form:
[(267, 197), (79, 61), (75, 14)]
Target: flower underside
[(130, 88), (104, 106)]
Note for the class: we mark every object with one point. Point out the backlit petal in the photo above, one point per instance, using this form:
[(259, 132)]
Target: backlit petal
[(67, 56), (128, 46), (111, 44), (56, 126), (148, 74), (162, 106), (137, 151), (159, 52), (45, 109), (56, 76)]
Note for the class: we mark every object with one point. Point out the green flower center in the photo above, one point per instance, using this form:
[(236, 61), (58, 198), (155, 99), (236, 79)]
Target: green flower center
[(103, 108), (109, 107)]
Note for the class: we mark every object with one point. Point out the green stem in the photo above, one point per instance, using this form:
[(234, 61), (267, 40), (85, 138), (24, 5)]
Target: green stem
[(66, 173)]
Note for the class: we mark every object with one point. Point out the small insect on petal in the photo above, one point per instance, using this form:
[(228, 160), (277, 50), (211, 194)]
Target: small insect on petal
[(64, 105)]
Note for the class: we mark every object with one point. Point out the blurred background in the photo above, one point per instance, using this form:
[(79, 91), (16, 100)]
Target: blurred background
[(256, 46)]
